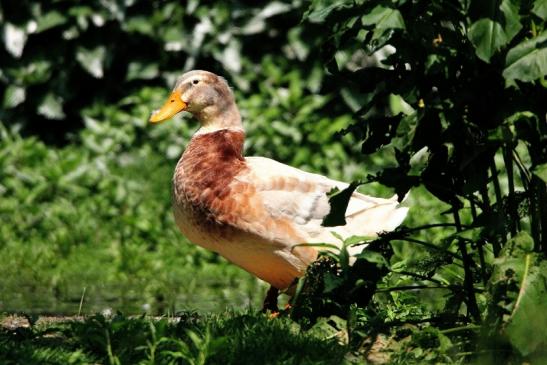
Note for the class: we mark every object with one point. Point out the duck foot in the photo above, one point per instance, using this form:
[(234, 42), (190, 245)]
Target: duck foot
[(270, 302)]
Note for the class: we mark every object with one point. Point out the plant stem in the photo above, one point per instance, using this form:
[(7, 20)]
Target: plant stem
[(423, 277), (415, 287), (497, 240), (473, 208), (435, 225), (439, 320), (542, 217), (480, 244), (524, 173), (469, 327), (514, 222), (81, 302), (537, 195), (468, 282), (432, 246), (495, 180), (457, 220)]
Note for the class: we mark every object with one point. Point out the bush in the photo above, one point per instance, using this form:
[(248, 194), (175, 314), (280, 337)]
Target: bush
[(457, 97)]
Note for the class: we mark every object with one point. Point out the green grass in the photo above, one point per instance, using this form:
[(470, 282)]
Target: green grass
[(99, 226), (225, 338), (74, 221)]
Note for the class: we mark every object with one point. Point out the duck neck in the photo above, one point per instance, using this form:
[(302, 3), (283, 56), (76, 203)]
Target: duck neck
[(217, 117)]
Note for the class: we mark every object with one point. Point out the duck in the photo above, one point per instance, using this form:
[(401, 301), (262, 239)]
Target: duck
[(260, 214)]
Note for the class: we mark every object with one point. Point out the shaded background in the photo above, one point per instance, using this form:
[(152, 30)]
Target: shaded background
[(85, 181)]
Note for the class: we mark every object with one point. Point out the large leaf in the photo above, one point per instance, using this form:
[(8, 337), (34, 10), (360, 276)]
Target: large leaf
[(498, 22), (526, 329), (540, 9), (382, 19), (541, 172), (527, 61)]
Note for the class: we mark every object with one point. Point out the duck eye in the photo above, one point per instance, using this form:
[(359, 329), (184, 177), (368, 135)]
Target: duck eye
[(195, 82)]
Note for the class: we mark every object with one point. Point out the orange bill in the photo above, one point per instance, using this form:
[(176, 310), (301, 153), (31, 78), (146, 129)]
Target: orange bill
[(172, 106)]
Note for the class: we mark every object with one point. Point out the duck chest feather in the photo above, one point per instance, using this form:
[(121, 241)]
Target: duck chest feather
[(205, 192)]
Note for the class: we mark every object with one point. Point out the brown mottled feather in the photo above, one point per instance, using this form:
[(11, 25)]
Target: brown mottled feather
[(216, 210)]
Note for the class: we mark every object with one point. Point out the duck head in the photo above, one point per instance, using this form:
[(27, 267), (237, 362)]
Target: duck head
[(204, 94)]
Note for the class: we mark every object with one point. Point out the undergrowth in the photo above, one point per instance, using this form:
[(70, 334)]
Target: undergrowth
[(188, 338)]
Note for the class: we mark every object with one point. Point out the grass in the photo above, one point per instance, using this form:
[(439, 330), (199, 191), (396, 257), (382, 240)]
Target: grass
[(89, 230), (75, 221), (225, 338)]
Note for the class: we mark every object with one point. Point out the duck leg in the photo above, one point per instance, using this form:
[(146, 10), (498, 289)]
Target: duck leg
[(270, 302)]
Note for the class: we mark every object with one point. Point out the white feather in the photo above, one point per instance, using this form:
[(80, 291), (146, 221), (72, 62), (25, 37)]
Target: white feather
[(304, 202)]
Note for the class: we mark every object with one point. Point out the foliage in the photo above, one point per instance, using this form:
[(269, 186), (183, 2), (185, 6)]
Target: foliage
[(458, 96), (81, 221), (68, 64), (444, 97), (115, 171)]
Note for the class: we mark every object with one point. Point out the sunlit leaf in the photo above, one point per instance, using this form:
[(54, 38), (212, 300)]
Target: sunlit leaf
[(139, 24), (382, 19), (541, 172), (14, 39), (231, 56), (51, 107), (92, 60), (498, 23), (142, 71), (527, 61), (49, 20), (13, 96), (540, 9), (274, 8), (526, 328)]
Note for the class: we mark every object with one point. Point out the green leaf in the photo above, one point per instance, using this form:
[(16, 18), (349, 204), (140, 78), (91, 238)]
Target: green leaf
[(382, 19), (418, 161), (526, 329), (139, 24), (51, 107), (499, 22), (540, 9), (527, 61), (353, 240), (518, 246), (318, 12), (14, 39), (142, 71), (92, 60), (13, 96), (354, 99), (49, 20), (332, 282), (541, 172), (338, 201), (372, 257)]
